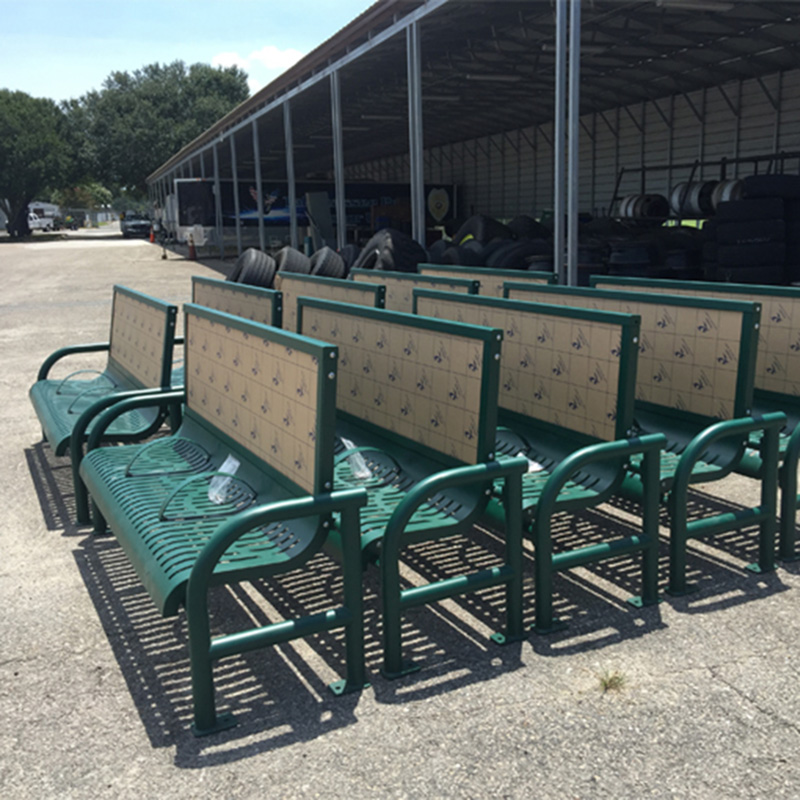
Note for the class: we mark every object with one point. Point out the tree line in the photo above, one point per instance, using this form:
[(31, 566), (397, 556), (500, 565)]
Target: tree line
[(103, 145)]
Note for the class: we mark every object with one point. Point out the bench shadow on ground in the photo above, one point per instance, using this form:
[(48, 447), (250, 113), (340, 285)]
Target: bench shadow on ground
[(280, 695)]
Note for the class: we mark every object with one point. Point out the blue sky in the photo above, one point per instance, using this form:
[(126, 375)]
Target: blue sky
[(64, 49)]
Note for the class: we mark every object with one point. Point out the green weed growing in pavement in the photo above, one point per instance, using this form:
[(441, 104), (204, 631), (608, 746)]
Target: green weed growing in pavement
[(612, 681)]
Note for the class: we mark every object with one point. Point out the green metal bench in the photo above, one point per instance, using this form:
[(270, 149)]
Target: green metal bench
[(294, 285), (695, 384), (400, 285), (243, 490), (417, 413), (139, 361), (491, 280), (777, 377), (566, 400)]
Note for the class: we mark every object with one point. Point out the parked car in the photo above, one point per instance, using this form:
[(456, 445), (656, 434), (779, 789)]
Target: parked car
[(134, 224)]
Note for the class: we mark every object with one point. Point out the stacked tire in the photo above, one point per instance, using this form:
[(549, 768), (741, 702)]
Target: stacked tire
[(757, 239)]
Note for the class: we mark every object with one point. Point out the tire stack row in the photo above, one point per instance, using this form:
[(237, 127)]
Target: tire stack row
[(481, 241), (756, 239), (257, 268)]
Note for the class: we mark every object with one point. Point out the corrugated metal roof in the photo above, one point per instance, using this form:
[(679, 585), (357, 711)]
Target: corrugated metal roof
[(488, 67)]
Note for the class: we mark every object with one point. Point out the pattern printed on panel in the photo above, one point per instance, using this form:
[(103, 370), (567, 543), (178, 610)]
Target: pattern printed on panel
[(293, 288), (137, 338), (420, 384), (239, 301), (400, 289), (560, 370), (778, 359), (491, 285), (262, 394), (688, 357)]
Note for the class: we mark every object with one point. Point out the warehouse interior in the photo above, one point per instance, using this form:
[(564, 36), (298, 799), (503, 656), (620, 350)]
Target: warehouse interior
[(457, 101)]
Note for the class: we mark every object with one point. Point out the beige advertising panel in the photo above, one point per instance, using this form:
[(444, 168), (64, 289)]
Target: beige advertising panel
[(137, 338)]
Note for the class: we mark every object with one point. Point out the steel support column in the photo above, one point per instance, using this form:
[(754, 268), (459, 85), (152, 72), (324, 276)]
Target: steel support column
[(218, 202), (573, 190), (416, 163), (236, 206), (259, 186), (290, 177), (559, 160), (338, 160)]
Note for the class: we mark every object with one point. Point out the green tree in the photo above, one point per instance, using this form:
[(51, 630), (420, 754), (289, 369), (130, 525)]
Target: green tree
[(138, 120), (33, 153)]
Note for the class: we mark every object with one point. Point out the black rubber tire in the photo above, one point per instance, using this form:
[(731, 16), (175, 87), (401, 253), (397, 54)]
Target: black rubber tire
[(751, 255), (452, 256), (290, 260), (259, 271), (748, 210), (349, 254), (249, 256), (517, 254), (525, 227), (756, 231), (436, 251), (785, 186), (390, 249), (327, 263), (483, 229)]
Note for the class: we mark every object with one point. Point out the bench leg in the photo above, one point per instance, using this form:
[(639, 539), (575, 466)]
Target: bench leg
[(789, 503), (769, 503), (678, 537), (354, 603), (512, 503), (100, 524), (82, 512), (651, 497)]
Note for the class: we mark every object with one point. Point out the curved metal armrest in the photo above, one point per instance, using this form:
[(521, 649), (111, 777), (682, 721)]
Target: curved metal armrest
[(145, 398), (473, 474), (236, 526), (62, 352), (740, 428), (97, 372), (649, 444), (99, 390), (223, 509), (95, 409)]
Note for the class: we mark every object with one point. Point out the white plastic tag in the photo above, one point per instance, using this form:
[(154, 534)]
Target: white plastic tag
[(356, 461), (533, 466), (219, 483)]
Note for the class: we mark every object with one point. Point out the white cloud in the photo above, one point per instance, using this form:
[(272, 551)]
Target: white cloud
[(261, 66)]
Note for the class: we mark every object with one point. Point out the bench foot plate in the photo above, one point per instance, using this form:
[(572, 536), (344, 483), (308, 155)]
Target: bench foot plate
[(407, 668), (504, 638), (554, 627), (690, 588), (758, 569), (343, 687), (224, 721), (638, 602)]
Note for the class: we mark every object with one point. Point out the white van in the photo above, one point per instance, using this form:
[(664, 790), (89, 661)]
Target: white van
[(37, 223)]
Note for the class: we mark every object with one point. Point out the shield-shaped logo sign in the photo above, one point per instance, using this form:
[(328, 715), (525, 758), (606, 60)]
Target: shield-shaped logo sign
[(438, 203)]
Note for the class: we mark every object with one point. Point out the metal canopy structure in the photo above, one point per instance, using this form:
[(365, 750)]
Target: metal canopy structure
[(483, 67)]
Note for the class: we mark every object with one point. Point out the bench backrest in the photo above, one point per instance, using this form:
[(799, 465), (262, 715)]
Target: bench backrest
[(264, 391), (571, 368), (491, 280), (400, 285), (141, 339), (428, 383), (696, 355), (240, 299), (294, 285), (778, 361)]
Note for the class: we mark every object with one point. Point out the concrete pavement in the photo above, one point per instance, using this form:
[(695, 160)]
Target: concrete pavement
[(94, 685)]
